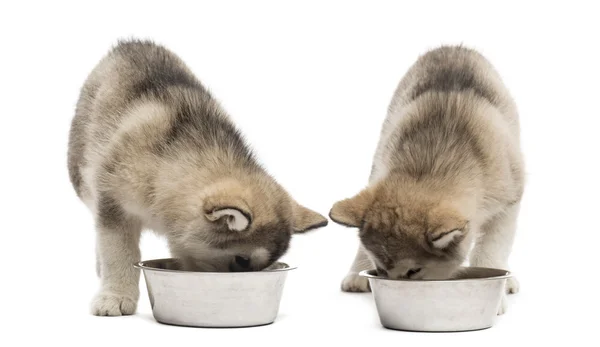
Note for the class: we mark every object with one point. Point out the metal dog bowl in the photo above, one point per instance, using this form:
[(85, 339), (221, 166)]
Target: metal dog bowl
[(213, 299), (469, 302)]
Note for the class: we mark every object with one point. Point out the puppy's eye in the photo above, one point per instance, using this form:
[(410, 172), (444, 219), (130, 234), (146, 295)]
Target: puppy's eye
[(413, 272)]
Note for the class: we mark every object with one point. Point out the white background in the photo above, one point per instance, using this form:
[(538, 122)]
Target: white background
[(309, 84)]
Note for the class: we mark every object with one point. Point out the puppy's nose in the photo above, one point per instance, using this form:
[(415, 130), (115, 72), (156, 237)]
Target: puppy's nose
[(242, 262)]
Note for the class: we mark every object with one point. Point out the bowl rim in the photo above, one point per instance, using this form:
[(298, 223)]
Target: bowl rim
[(508, 274), (142, 266)]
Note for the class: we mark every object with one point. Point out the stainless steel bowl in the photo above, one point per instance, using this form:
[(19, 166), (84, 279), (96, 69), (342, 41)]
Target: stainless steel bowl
[(213, 299), (469, 302)]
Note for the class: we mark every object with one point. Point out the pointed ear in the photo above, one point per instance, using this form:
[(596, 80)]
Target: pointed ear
[(234, 211), (350, 212), (305, 219), (442, 240)]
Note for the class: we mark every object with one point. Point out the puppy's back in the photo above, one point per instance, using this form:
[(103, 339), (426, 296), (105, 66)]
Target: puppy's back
[(132, 71), (141, 100), (451, 116), (455, 69)]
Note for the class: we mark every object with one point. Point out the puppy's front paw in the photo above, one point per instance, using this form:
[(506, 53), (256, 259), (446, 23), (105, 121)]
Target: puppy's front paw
[(512, 286), (355, 283), (503, 306), (110, 304)]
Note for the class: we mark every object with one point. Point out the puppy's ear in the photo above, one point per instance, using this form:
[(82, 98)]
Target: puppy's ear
[(450, 228), (232, 210), (306, 219), (350, 212), (444, 239)]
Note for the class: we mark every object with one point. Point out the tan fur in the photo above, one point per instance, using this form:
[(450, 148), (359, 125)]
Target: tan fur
[(150, 148), (447, 174)]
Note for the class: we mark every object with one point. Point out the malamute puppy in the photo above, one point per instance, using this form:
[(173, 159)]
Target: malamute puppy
[(150, 148), (447, 174)]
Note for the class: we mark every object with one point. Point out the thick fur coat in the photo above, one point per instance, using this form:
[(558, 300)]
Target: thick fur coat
[(447, 176), (151, 148)]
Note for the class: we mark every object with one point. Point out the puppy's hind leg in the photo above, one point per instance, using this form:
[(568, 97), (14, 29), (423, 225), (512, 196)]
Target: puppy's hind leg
[(117, 244), (495, 244), (353, 282)]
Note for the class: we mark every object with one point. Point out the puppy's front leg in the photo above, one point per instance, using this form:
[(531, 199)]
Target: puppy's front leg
[(117, 244), (494, 247), (353, 282)]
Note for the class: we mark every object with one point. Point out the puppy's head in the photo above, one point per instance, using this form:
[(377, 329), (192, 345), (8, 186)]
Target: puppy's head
[(240, 227), (410, 229)]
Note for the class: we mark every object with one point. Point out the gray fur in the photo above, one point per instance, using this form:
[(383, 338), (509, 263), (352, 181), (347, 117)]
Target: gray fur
[(448, 173), (150, 148)]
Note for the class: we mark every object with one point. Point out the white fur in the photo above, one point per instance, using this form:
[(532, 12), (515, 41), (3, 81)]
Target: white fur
[(165, 192), (494, 246), (117, 251), (110, 304), (503, 306), (353, 282), (260, 255), (445, 240), (236, 220), (494, 225), (89, 199)]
